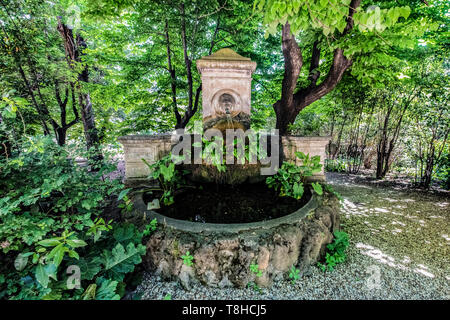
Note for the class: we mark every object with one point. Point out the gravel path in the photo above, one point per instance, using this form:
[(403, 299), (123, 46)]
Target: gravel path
[(399, 249)]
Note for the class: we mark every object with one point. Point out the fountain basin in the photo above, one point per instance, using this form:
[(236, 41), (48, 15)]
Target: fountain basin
[(222, 253)]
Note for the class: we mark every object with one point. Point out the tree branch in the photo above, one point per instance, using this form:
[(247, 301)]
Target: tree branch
[(172, 73), (353, 6), (314, 73)]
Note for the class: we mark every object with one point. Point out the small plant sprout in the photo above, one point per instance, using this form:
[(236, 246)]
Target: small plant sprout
[(126, 205), (254, 268), (336, 251), (149, 228), (254, 286), (294, 274), (97, 226), (187, 259)]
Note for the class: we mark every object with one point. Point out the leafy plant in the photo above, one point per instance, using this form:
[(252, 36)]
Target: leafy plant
[(331, 190), (149, 228), (335, 165), (167, 297), (187, 259), (336, 251), (213, 157), (294, 274), (254, 286), (97, 227), (168, 177), (126, 204), (317, 188), (254, 268), (290, 178), (51, 225)]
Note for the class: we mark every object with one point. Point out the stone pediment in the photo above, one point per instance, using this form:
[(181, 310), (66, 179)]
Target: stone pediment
[(225, 59), (226, 54)]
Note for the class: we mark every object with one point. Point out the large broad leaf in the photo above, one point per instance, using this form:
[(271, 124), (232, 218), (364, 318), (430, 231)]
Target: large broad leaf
[(49, 242), (123, 193), (126, 233), (44, 273), (76, 243), (121, 261), (89, 267), (317, 188), (41, 276), (89, 293), (21, 260), (107, 290)]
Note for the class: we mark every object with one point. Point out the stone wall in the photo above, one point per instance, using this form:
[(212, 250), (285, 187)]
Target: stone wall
[(315, 146), (138, 147), (153, 147)]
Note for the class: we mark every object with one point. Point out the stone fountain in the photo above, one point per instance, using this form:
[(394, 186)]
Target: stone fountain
[(226, 101), (223, 252)]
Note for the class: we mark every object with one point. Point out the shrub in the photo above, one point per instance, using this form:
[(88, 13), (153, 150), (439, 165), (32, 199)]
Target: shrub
[(336, 251), (168, 176), (290, 178), (54, 242)]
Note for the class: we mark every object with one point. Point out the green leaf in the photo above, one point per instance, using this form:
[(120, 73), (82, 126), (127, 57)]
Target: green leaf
[(89, 267), (57, 254), (123, 193), (317, 188), (121, 261), (21, 261), (41, 275), (107, 290), (49, 242), (74, 254), (89, 293), (76, 243), (125, 233)]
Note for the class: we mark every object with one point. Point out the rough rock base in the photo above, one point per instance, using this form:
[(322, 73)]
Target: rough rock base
[(223, 258)]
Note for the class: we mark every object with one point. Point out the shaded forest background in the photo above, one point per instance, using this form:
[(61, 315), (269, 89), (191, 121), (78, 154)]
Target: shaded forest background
[(75, 75), (86, 72)]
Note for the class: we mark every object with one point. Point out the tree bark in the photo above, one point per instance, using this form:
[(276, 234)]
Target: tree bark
[(74, 47), (290, 104)]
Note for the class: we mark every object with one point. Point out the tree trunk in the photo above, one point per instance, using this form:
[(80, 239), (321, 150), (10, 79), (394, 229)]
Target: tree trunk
[(290, 104), (74, 50)]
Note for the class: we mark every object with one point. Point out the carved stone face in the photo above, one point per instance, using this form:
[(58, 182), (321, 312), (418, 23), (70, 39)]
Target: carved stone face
[(226, 103)]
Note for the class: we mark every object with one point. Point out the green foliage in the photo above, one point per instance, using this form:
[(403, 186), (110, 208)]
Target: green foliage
[(254, 268), (149, 228), (213, 152), (121, 260), (50, 221), (317, 188), (335, 165), (41, 183), (326, 16), (294, 274), (336, 251), (290, 178), (254, 287), (331, 190), (126, 205), (167, 297), (188, 259), (168, 177)]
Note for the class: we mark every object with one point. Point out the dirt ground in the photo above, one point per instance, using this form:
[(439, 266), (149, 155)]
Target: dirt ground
[(406, 229)]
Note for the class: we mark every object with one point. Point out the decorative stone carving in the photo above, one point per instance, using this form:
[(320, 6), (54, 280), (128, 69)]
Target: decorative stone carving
[(226, 88)]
